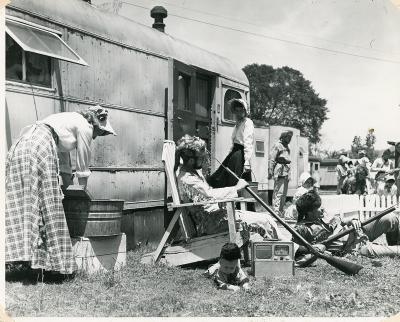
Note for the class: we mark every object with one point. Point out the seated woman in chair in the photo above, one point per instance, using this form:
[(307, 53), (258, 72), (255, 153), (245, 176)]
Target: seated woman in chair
[(212, 218)]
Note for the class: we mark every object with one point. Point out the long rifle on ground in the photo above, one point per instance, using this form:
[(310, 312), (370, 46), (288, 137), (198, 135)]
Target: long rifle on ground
[(347, 267), (339, 235)]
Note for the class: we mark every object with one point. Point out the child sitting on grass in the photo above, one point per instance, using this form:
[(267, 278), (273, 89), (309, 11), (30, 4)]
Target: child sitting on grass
[(227, 273), (306, 182)]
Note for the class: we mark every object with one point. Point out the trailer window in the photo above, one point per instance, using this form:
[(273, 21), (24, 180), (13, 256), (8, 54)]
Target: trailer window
[(260, 148), (29, 51), (202, 97), (27, 67), (183, 92), (13, 60), (42, 42), (230, 94)]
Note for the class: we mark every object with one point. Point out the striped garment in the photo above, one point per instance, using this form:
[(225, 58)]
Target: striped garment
[(36, 228)]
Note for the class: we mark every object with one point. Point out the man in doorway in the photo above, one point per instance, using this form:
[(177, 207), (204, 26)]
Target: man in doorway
[(279, 170)]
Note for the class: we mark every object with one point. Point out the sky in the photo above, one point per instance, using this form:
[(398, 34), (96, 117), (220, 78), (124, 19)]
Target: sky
[(362, 92)]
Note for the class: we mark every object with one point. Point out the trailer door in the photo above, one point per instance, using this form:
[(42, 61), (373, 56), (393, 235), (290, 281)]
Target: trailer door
[(193, 93), (203, 102), (184, 110)]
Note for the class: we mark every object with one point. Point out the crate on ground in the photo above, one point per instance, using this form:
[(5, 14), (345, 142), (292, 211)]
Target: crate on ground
[(95, 254)]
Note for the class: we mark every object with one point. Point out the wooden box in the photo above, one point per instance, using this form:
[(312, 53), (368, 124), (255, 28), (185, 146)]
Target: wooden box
[(94, 254)]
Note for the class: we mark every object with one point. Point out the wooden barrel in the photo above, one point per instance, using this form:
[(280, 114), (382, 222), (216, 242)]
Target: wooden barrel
[(93, 218)]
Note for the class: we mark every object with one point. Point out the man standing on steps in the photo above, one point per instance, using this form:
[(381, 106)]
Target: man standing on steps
[(279, 170)]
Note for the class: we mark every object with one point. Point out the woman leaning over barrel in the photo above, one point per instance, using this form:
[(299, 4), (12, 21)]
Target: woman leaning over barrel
[(36, 228)]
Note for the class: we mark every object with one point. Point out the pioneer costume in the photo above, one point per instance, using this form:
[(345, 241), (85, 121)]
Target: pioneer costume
[(241, 150), (212, 218), (279, 170), (35, 227)]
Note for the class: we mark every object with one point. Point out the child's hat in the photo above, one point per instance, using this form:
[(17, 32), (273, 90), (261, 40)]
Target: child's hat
[(390, 178), (304, 177)]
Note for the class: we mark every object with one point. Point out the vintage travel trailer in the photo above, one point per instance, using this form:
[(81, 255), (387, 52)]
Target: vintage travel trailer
[(67, 55)]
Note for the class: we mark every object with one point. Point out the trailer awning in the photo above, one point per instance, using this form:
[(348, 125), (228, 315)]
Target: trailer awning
[(41, 42)]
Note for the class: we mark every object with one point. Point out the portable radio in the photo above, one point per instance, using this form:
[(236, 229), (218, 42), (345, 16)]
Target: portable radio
[(272, 258)]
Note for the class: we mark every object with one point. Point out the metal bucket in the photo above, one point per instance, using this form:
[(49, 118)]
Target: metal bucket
[(253, 186), (93, 218), (244, 193)]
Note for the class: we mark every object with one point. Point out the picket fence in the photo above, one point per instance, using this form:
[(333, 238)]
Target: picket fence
[(355, 206), (369, 205)]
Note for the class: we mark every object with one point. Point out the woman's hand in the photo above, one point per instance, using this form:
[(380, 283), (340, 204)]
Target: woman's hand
[(241, 184), (83, 181), (67, 180)]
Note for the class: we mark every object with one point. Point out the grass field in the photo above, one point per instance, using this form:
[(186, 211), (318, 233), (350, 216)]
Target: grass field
[(140, 290)]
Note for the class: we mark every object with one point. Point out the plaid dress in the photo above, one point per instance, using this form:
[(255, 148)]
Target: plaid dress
[(36, 228)]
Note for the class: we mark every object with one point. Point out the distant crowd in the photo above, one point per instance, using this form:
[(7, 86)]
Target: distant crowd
[(361, 177)]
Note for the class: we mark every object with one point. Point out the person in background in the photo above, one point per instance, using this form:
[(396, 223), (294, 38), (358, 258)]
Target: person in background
[(227, 273), (36, 230), (387, 188), (351, 169), (341, 171), (363, 159), (379, 181), (306, 182), (381, 164), (397, 164), (356, 183), (238, 160), (279, 170)]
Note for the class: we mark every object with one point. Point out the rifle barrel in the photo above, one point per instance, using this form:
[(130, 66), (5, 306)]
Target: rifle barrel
[(366, 222)]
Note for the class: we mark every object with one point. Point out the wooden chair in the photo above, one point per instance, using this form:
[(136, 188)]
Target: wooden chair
[(192, 248)]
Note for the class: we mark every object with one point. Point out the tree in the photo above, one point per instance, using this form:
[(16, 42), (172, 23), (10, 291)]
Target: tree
[(282, 96), (368, 146), (356, 146), (317, 150)]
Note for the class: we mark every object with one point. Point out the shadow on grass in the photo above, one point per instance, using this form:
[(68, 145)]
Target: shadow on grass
[(206, 264), (24, 274)]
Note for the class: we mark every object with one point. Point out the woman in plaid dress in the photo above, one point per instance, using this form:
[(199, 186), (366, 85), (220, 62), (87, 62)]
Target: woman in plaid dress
[(36, 228)]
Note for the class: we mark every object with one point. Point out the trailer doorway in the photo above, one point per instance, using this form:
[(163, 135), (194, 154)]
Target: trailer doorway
[(192, 103)]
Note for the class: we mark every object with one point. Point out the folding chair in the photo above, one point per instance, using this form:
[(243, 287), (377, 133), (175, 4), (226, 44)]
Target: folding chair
[(191, 249)]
